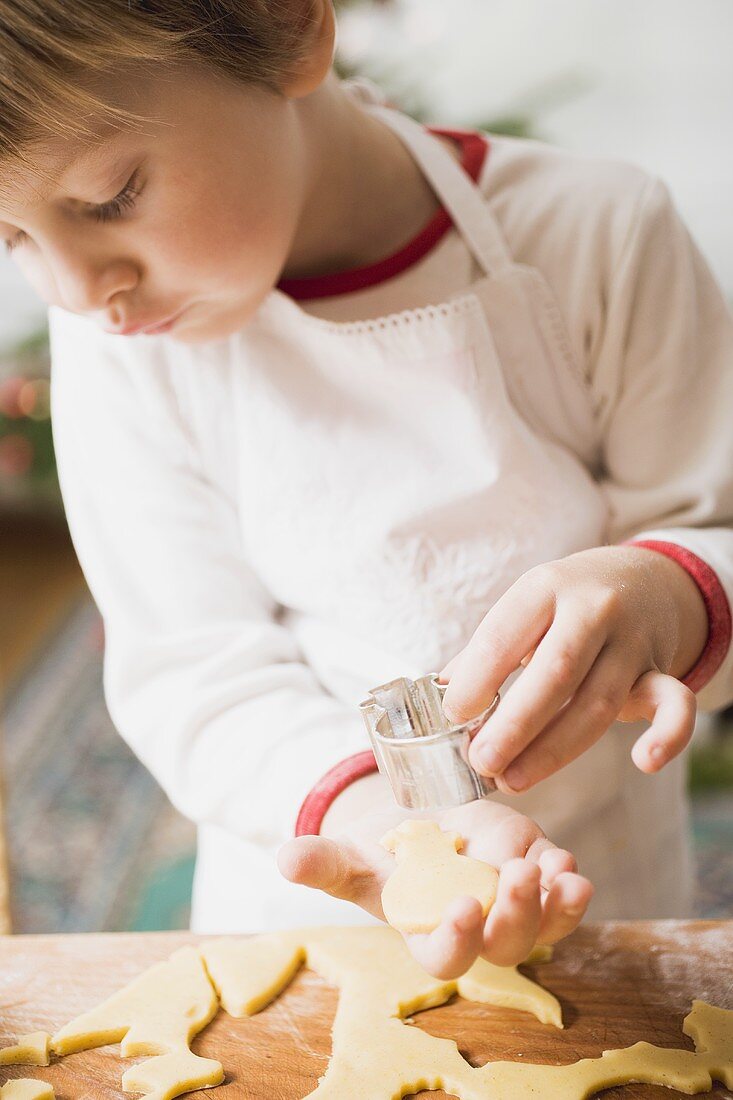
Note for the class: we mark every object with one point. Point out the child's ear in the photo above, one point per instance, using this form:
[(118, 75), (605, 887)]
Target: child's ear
[(315, 65)]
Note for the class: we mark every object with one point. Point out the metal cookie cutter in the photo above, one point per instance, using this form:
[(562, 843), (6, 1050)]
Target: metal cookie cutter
[(423, 756)]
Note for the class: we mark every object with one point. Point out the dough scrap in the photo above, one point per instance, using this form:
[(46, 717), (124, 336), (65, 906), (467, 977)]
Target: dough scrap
[(376, 1056), (248, 974), (505, 987), (158, 1013), (678, 1069), (711, 1030), (170, 1075), (30, 1050), (429, 875), (26, 1089)]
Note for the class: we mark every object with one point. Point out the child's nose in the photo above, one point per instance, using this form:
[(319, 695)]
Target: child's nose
[(87, 285)]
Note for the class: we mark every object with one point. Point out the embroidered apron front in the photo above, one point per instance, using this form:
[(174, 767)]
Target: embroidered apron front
[(384, 566)]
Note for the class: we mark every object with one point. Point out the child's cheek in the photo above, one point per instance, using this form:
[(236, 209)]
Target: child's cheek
[(236, 245)]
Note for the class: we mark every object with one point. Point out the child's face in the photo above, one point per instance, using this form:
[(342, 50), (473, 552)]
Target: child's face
[(216, 186)]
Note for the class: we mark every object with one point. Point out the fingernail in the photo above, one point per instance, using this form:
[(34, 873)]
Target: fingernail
[(525, 890), (515, 779), (490, 761), (656, 753), (574, 910)]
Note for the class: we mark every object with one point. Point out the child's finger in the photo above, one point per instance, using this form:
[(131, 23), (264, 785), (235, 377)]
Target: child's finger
[(450, 949), (514, 625), (551, 861), (516, 837), (512, 925), (563, 907), (671, 708), (337, 869), (595, 706), (560, 664)]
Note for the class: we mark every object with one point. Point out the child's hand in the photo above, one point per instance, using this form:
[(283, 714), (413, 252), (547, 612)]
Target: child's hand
[(604, 633), (540, 898)]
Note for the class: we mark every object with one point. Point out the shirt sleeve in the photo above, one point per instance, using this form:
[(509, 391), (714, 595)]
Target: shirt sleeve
[(663, 384), (208, 689)]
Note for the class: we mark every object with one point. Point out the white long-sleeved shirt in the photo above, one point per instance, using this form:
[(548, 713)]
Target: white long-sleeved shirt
[(204, 676)]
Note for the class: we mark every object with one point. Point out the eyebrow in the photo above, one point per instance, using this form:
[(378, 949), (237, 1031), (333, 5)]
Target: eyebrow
[(94, 159), (92, 154), (86, 150)]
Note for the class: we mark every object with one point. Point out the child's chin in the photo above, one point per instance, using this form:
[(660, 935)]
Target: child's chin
[(193, 329)]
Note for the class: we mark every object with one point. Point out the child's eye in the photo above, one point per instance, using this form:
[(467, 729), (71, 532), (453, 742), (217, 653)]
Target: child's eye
[(107, 211)]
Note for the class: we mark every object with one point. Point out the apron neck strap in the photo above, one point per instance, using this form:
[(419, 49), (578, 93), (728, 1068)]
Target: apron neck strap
[(460, 196)]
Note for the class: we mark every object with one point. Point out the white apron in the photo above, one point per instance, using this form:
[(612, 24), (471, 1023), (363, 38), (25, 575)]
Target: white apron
[(412, 594)]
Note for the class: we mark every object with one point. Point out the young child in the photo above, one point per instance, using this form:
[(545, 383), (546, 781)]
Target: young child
[(338, 399)]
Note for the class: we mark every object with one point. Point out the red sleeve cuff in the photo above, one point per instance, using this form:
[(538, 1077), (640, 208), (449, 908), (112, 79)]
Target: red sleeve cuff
[(320, 797), (716, 605)]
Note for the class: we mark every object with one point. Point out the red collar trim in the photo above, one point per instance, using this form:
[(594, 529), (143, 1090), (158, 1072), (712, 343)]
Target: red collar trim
[(474, 149)]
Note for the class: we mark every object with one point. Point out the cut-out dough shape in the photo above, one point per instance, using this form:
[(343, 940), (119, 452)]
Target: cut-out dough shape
[(377, 1057), (25, 1089), (157, 1013), (30, 1050), (430, 873)]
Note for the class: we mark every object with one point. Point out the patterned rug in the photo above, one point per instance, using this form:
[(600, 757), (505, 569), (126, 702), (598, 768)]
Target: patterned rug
[(713, 833), (94, 843)]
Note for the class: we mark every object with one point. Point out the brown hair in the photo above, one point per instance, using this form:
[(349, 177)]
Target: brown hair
[(52, 51)]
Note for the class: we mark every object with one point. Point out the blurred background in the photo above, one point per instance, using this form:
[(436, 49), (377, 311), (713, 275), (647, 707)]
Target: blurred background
[(90, 841)]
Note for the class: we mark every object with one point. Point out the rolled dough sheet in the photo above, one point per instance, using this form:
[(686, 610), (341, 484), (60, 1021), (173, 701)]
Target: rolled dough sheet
[(376, 1055)]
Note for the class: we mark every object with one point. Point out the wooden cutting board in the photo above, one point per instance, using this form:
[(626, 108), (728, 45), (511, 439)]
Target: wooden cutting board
[(617, 983)]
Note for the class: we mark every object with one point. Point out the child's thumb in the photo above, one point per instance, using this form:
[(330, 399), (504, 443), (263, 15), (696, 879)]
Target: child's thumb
[(321, 863)]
